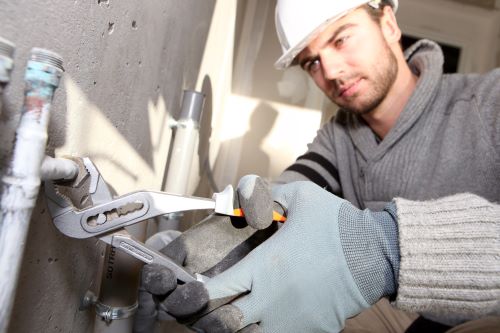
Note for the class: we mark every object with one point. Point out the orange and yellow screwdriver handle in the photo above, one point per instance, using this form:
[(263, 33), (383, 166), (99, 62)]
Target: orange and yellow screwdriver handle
[(279, 214)]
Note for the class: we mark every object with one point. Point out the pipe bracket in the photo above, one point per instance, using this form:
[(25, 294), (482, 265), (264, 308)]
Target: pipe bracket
[(106, 312), (109, 313)]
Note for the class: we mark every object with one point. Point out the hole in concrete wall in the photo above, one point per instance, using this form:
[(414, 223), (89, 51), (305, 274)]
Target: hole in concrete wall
[(111, 27), (103, 2), (134, 25), (95, 83)]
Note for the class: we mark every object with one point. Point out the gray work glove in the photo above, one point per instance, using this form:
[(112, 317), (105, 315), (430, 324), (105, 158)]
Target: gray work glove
[(327, 263), (209, 247)]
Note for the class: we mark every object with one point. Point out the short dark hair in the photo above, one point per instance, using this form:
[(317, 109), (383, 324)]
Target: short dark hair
[(376, 13)]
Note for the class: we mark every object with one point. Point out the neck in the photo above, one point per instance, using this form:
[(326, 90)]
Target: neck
[(384, 117)]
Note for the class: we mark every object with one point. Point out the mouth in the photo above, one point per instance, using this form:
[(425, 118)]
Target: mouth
[(350, 89)]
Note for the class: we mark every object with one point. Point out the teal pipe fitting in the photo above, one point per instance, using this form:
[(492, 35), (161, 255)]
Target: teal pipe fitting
[(42, 77), (43, 74)]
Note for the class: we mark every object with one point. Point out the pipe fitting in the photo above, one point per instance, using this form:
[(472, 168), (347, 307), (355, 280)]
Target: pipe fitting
[(58, 169), (47, 57), (191, 111), (192, 106), (6, 64), (44, 69), (7, 49)]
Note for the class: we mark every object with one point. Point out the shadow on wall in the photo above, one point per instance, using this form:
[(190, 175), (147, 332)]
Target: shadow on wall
[(207, 184), (251, 158), (236, 157)]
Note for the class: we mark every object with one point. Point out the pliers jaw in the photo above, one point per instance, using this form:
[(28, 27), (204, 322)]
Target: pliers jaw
[(85, 208), (87, 189), (66, 199)]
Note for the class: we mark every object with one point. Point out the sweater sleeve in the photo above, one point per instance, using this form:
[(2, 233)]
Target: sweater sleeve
[(449, 258), (318, 164), (487, 95)]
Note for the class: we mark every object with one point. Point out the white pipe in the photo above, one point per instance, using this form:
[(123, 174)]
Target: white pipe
[(186, 138), (58, 169), (183, 150), (22, 181), (6, 64)]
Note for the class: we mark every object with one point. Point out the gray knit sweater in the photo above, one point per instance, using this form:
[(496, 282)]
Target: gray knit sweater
[(443, 157)]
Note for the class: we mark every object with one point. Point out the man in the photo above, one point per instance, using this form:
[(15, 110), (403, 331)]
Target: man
[(404, 130)]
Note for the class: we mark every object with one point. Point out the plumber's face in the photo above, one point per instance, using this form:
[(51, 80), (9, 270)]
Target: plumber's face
[(351, 62)]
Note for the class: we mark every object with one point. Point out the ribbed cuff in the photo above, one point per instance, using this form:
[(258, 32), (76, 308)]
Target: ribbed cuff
[(450, 258)]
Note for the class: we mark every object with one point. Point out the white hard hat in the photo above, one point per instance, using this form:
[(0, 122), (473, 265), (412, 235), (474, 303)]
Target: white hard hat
[(299, 22)]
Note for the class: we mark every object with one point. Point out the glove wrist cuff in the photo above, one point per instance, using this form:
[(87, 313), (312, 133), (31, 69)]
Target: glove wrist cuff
[(370, 244)]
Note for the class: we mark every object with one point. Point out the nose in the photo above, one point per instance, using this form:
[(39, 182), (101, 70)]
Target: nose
[(332, 64)]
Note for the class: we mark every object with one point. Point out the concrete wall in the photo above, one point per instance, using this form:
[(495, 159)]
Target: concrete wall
[(127, 63)]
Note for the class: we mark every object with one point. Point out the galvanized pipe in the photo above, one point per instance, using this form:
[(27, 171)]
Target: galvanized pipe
[(117, 301), (21, 183)]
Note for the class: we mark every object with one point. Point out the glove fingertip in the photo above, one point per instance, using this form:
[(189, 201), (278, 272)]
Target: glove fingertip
[(187, 300), (158, 280), (226, 319), (256, 200)]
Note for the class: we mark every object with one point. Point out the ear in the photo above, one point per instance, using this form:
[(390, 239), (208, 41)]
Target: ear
[(389, 26)]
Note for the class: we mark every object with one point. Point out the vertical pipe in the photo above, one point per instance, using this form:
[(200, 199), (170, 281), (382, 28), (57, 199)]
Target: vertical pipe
[(183, 150), (22, 181), (6, 64), (118, 292)]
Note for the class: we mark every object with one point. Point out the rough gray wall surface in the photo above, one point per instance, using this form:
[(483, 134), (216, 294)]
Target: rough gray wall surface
[(120, 54)]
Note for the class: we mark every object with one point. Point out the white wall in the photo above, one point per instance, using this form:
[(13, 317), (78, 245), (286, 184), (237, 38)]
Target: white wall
[(473, 29), (271, 115)]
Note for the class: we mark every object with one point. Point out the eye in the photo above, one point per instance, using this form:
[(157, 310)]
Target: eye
[(339, 42), (312, 66)]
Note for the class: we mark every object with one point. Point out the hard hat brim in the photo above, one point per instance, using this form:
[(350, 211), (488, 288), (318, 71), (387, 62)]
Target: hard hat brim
[(288, 57)]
